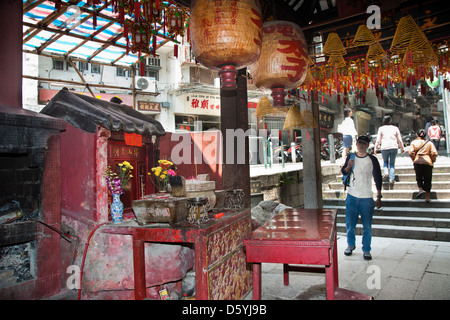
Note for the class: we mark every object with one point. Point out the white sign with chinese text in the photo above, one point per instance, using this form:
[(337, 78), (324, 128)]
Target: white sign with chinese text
[(199, 103)]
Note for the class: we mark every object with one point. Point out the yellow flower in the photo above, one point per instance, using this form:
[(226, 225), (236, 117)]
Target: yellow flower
[(163, 176), (157, 171)]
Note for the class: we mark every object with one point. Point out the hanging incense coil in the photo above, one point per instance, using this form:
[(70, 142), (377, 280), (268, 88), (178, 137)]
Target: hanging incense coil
[(406, 28), (294, 119), (226, 35), (363, 37), (334, 46), (263, 107), (336, 60), (375, 52), (283, 63), (310, 122), (419, 51)]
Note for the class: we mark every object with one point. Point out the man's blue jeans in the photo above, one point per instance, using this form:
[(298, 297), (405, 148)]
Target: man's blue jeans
[(353, 208), (389, 157)]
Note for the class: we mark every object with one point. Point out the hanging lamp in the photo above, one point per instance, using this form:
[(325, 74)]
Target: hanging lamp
[(226, 35), (283, 63)]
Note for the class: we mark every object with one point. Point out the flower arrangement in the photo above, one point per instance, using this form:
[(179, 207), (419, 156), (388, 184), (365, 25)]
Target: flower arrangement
[(117, 182), (162, 173)]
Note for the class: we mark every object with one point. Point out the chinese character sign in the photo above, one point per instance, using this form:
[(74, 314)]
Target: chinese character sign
[(202, 104), (149, 106)]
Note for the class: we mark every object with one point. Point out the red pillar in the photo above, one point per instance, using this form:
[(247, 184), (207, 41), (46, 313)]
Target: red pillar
[(11, 53)]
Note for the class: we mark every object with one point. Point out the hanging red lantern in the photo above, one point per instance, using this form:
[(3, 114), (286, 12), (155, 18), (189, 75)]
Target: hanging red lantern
[(226, 35), (283, 63)]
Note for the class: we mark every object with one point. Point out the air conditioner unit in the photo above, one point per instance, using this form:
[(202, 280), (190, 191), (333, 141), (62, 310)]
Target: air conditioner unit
[(145, 84)]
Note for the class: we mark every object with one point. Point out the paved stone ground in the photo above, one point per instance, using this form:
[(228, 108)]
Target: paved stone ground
[(401, 269)]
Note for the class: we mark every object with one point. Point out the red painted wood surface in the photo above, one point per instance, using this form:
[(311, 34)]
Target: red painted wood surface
[(298, 236), (207, 240)]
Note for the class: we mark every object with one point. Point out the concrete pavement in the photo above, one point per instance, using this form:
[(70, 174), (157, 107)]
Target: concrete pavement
[(401, 269)]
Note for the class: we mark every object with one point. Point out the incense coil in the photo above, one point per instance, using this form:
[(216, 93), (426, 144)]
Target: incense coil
[(375, 51), (421, 50), (336, 60), (263, 107), (310, 122), (406, 28), (283, 63), (334, 46), (294, 119), (363, 37), (226, 34)]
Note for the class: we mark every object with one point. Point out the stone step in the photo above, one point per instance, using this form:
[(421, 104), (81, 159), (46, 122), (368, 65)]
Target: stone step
[(396, 203), (443, 194), (411, 177), (404, 232), (409, 185), (405, 221), (408, 212), (410, 169), (402, 214)]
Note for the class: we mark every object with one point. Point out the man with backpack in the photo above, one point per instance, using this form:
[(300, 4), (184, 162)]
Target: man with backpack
[(361, 168)]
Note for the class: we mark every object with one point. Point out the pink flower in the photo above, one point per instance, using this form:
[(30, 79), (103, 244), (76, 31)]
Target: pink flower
[(172, 173)]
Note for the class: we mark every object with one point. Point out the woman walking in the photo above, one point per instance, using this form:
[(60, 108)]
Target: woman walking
[(347, 128), (390, 139), (434, 133), (423, 154)]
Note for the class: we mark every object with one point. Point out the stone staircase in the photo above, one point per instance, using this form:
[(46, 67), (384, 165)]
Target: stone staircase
[(402, 215)]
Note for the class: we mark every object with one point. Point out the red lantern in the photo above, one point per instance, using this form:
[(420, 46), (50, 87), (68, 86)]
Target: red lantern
[(284, 59), (226, 35)]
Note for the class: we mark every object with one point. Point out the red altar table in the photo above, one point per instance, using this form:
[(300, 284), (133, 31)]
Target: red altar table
[(221, 271), (299, 237)]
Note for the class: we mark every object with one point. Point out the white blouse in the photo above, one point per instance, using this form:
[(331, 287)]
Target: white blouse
[(389, 137)]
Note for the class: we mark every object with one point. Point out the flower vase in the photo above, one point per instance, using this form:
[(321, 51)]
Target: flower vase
[(116, 208), (162, 186)]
